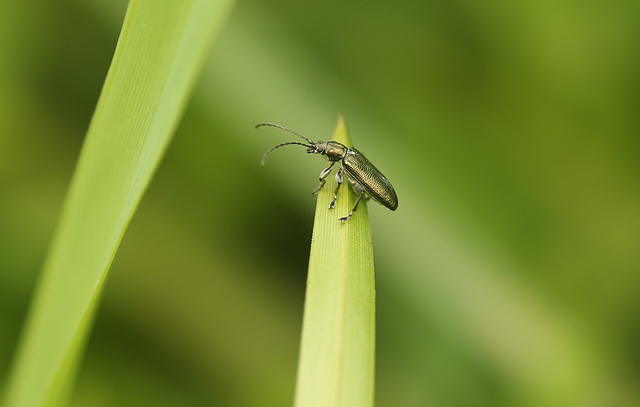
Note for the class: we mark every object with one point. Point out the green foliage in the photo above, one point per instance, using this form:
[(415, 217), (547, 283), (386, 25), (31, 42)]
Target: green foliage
[(507, 276), (337, 355), (158, 58)]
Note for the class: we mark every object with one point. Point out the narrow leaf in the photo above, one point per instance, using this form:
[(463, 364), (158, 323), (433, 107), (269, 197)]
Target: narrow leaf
[(337, 356), (159, 56)]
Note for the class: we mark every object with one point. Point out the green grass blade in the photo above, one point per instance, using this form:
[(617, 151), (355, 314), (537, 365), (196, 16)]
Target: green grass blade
[(337, 356), (160, 53)]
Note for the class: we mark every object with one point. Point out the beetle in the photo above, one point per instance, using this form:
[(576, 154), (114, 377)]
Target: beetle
[(361, 173)]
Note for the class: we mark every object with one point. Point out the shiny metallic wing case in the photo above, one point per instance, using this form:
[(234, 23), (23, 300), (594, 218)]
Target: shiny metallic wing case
[(360, 170)]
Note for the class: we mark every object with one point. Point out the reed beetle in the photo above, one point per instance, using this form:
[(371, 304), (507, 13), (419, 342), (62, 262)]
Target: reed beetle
[(363, 176)]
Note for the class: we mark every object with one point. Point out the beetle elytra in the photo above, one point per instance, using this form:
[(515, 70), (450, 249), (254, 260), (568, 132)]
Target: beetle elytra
[(361, 173)]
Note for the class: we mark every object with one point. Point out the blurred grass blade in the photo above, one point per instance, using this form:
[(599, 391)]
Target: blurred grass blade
[(337, 356), (160, 53)]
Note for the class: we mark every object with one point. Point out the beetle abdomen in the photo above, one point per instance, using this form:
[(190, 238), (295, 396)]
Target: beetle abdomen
[(359, 169)]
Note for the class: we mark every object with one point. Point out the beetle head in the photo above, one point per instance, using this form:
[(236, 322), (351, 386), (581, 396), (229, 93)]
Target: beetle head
[(317, 148)]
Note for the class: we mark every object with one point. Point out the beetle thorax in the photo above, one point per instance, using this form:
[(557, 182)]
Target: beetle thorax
[(332, 149)]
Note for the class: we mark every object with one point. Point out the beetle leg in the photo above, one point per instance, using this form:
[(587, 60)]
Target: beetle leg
[(322, 177), (335, 193), (315, 191), (344, 219)]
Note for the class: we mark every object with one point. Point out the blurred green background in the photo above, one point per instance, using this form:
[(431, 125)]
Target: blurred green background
[(508, 276)]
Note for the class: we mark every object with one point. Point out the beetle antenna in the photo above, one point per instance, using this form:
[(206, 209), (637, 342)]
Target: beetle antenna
[(286, 129), (264, 157)]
